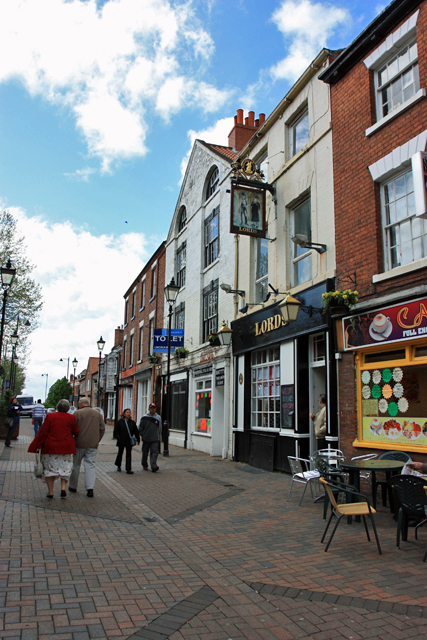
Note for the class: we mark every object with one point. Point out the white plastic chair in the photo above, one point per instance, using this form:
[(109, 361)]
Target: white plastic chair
[(300, 468)]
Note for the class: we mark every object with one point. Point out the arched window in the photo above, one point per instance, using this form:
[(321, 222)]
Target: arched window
[(182, 218), (213, 182)]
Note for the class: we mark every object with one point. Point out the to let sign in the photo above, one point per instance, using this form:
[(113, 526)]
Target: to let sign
[(160, 344)]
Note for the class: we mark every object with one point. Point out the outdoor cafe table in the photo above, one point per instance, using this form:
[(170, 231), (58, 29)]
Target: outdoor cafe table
[(389, 467)]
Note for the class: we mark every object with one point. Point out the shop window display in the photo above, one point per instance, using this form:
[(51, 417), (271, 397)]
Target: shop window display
[(265, 389), (203, 406)]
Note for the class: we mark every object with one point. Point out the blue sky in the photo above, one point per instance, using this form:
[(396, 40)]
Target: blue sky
[(99, 105)]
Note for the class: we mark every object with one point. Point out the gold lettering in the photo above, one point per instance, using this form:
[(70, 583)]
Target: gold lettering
[(264, 326), (277, 321), (270, 324), (257, 329)]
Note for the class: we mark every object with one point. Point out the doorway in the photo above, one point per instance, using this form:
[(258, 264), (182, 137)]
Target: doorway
[(317, 359)]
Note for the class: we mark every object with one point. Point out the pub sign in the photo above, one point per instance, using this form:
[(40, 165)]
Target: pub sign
[(247, 211)]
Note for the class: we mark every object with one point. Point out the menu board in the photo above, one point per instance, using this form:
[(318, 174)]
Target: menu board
[(287, 406)]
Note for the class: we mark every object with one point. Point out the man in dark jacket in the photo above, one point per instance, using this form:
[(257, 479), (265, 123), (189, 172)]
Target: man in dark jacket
[(150, 428)]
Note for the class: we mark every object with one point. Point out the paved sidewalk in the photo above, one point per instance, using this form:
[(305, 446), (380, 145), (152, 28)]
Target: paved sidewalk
[(204, 549)]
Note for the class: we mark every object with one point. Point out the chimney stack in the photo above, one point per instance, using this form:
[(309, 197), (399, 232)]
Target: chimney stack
[(241, 133)]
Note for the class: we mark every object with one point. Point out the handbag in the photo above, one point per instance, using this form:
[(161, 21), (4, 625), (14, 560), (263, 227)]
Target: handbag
[(38, 465), (133, 440), (8, 422)]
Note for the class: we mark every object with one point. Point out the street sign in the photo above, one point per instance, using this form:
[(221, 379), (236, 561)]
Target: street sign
[(160, 344)]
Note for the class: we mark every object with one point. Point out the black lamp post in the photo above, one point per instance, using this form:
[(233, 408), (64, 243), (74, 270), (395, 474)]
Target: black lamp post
[(7, 275), (14, 340), (100, 345), (68, 365), (171, 292), (75, 363)]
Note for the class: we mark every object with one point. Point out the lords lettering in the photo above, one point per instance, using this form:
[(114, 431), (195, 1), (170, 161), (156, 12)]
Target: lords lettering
[(270, 324)]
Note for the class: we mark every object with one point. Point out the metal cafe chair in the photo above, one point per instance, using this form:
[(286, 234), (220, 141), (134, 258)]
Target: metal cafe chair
[(411, 502), (361, 508), (301, 473), (333, 456)]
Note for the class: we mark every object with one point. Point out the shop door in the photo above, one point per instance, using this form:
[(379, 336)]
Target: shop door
[(317, 358), (179, 405)]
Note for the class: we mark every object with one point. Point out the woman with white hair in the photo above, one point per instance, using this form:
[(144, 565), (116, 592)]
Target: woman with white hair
[(56, 441)]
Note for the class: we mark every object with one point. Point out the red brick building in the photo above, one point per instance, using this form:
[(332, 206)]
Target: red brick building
[(379, 126), (140, 374)]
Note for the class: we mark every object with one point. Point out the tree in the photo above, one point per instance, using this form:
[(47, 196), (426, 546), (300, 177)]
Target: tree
[(60, 390), (24, 297)]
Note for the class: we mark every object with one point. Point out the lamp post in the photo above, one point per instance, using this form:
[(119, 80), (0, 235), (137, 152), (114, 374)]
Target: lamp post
[(68, 365), (45, 375), (14, 340), (171, 292), (75, 363), (100, 345), (7, 275)]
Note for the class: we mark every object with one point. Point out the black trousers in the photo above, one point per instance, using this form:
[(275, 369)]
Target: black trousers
[(119, 457)]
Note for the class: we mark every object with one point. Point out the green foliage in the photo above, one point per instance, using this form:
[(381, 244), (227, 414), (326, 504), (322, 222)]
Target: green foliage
[(181, 352), (60, 390), (24, 298), (339, 297)]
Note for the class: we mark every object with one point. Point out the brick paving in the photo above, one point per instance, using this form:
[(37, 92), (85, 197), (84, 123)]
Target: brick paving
[(205, 549)]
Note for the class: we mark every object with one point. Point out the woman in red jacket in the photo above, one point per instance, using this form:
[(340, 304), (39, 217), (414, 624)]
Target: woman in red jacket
[(56, 441)]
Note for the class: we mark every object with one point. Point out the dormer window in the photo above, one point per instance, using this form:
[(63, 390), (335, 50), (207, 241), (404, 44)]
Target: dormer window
[(213, 182)]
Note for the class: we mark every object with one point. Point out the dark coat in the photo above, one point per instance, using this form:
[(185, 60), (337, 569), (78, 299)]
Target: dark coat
[(13, 411), (121, 432), (150, 428), (56, 435)]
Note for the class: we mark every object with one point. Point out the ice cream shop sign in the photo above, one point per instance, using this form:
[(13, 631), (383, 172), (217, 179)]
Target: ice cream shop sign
[(401, 322)]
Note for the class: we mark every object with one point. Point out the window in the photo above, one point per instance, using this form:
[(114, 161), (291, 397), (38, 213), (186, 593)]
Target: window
[(126, 311), (210, 309), (151, 335), (212, 237), (127, 398), (153, 281), (397, 80), (111, 406), (405, 234), (203, 406), (132, 341), (143, 293), (298, 134), (302, 256), (141, 343), (261, 269), (182, 219), (133, 303), (213, 182), (181, 260), (265, 389), (180, 316), (125, 344)]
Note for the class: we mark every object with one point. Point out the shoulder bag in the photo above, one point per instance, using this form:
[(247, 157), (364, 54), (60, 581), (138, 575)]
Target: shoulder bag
[(133, 440), (38, 465)]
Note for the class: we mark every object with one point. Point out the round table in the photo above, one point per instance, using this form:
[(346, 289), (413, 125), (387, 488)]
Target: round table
[(389, 467)]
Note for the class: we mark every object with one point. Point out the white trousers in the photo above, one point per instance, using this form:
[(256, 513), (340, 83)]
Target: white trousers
[(88, 457)]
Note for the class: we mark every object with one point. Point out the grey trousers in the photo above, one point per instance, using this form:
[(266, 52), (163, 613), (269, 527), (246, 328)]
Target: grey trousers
[(88, 457), (153, 449)]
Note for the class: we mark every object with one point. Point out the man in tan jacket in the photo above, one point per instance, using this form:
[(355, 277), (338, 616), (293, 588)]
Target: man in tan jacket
[(91, 429)]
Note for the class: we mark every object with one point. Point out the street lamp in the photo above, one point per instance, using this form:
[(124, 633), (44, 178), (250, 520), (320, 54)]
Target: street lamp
[(68, 364), (7, 275), (14, 341), (171, 292), (74, 363), (224, 335), (45, 375), (100, 345)]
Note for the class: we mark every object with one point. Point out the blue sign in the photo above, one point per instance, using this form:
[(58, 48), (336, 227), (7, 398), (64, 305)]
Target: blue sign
[(160, 344)]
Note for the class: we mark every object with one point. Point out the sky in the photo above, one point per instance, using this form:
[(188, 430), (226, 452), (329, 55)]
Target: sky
[(100, 103)]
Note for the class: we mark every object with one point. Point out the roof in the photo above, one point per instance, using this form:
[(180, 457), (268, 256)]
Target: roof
[(368, 39), (92, 365), (226, 152)]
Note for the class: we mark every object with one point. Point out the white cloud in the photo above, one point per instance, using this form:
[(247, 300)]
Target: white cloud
[(306, 27), (83, 279), (109, 66), (216, 134)]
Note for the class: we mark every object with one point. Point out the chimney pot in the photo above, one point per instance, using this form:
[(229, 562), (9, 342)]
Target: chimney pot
[(235, 120), (246, 122), (261, 118), (239, 116), (251, 116), (257, 122)]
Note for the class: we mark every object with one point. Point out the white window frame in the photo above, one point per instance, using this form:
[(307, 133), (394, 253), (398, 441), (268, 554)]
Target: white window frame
[(143, 293), (153, 281), (181, 264), (308, 254), (131, 347), (261, 413), (292, 130), (141, 341), (133, 303), (126, 311), (263, 280)]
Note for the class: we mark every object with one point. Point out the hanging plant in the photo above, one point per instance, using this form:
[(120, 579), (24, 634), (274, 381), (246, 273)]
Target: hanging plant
[(152, 357), (339, 298), (181, 352), (213, 339)]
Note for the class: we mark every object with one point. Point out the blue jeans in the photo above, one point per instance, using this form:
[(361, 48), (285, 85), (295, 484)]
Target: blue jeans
[(37, 425)]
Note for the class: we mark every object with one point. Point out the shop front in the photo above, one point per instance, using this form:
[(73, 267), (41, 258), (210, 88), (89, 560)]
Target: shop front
[(280, 370), (390, 348)]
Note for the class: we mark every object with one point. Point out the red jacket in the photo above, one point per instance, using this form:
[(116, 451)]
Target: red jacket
[(56, 435)]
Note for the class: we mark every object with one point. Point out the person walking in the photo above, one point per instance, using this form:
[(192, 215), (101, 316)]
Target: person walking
[(150, 428), (39, 414), (91, 430), (56, 439), (320, 423), (13, 411), (124, 429)]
